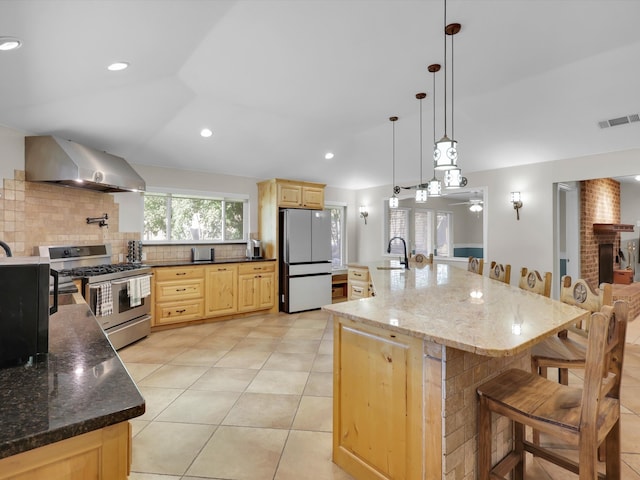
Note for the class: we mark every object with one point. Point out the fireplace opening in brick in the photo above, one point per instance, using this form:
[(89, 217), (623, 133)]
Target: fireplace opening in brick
[(605, 263)]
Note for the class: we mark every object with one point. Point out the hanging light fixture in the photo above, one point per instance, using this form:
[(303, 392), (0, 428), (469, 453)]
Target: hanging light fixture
[(435, 186), (393, 201), (421, 189), (445, 153)]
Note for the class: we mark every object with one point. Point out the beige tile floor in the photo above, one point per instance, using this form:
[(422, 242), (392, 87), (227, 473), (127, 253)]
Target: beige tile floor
[(250, 399)]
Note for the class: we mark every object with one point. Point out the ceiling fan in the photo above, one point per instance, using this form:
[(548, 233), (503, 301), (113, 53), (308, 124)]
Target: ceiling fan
[(475, 204), (472, 201)]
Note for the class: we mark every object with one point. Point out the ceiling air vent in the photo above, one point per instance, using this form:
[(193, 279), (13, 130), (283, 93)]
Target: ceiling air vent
[(614, 122)]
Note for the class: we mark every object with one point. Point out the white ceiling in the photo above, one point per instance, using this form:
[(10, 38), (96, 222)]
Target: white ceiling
[(282, 82)]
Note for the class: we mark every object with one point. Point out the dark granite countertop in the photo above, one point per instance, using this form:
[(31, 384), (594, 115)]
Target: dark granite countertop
[(81, 386), (183, 263)]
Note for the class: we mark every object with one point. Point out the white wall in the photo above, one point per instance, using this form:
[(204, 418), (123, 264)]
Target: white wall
[(528, 242), (11, 151), (630, 214)]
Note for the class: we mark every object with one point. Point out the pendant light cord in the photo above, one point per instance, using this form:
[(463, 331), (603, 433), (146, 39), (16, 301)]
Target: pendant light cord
[(393, 152), (453, 135), (445, 68), (421, 182)]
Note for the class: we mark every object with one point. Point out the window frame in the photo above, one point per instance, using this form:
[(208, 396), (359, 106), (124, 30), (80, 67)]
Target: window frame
[(343, 230), (224, 197), (410, 237)]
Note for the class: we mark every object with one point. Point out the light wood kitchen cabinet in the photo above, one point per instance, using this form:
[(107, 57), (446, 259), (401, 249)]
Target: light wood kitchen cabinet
[(178, 294), (256, 286), (358, 283), (222, 290), (103, 454), (378, 402), (300, 195)]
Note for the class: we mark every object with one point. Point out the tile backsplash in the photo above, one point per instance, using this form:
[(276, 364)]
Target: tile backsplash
[(34, 214)]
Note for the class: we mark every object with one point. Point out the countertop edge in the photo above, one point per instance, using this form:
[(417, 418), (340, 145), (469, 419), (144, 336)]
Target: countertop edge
[(191, 263), (359, 313)]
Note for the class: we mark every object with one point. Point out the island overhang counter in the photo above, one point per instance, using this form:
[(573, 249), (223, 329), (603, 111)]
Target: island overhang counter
[(407, 362)]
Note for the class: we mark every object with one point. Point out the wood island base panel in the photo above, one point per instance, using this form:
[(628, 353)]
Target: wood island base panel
[(407, 363)]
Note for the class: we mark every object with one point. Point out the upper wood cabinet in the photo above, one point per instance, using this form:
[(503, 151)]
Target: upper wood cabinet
[(291, 194)]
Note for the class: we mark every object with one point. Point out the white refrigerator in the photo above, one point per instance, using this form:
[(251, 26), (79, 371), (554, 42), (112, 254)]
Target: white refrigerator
[(305, 259)]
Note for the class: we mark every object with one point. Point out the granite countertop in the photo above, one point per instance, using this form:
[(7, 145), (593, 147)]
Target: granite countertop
[(452, 307), (81, 386), (190, 263)]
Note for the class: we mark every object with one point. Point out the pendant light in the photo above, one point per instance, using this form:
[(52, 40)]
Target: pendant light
[(453, 178), (421, 189), (435, 186), (445, 153), (393, 201)]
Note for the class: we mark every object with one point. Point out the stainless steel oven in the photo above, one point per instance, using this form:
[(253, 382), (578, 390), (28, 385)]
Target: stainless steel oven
[(129, 320), (118, 294)]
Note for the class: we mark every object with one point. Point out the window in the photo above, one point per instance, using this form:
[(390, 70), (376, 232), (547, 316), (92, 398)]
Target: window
[(444, 226), (337, 235), (423, 231), (398, 226), (426, 231), (176, 218)]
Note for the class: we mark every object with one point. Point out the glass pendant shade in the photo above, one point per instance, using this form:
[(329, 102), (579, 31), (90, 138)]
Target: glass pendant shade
[(445, 154), (421, 195), (475, 208), (453, 178), (435, 187), (393, 202)]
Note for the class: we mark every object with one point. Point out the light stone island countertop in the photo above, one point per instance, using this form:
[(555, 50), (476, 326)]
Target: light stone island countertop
[(452, 307)]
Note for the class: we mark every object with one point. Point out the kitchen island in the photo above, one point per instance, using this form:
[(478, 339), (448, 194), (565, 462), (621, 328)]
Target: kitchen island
[(407, 362), (66, 417)]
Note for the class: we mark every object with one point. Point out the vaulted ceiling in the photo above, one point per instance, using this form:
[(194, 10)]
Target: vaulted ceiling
[(282, 82)]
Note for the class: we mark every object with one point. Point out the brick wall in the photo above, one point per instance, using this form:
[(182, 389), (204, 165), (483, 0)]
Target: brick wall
[(599, 203)]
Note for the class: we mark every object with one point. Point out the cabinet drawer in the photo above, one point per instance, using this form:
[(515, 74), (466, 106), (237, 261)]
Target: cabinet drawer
[(182, 273), (248, 268), (178, 312), (358, 290), (172, 291), (359, 274)]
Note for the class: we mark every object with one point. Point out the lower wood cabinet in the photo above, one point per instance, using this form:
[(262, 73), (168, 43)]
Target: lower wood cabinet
[(256, 283), (358, 283), (184, 294), (178, 294), (222, 288), (378, 403), (103, 454)]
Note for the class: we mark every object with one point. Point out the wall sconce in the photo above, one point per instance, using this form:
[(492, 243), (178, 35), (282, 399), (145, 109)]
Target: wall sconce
[(517, 203), (363, 213)]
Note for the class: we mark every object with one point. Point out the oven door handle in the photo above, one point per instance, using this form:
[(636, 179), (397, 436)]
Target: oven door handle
[(122, 282)]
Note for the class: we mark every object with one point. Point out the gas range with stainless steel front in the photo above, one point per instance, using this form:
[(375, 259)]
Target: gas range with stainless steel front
[(118, 294)]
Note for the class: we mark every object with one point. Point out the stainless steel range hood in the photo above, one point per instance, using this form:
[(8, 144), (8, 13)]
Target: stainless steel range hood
[(56, 160)]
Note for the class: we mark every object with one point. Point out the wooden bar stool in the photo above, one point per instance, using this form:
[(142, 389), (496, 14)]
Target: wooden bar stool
[(564, 352), (585, 417), (475, 265), (500, 272), (532, 281)]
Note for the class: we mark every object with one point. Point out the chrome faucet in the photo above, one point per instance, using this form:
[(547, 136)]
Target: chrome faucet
[(404, 262)]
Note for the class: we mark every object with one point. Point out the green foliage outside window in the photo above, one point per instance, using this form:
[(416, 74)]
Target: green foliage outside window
[(185, 218)]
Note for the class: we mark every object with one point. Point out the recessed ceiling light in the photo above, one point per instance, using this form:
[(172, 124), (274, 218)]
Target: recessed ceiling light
[(9, 43), (328, 156), (117, 66), (206, 133)]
